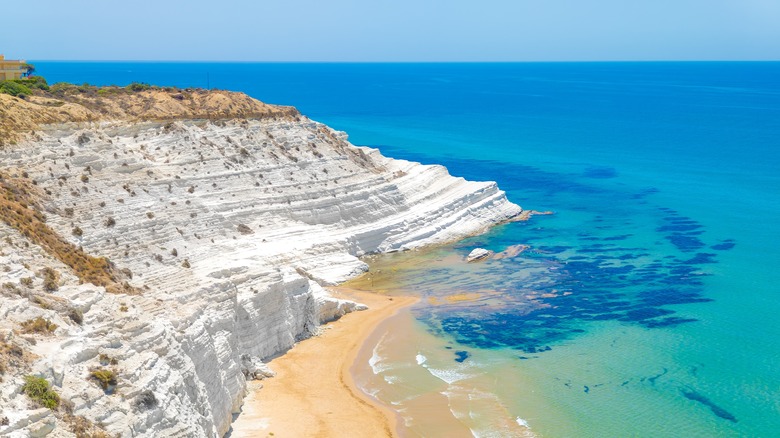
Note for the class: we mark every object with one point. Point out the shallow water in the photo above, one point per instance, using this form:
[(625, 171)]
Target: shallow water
[(645, 306)]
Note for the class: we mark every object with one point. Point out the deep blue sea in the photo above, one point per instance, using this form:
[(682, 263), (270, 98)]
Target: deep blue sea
[(647, 305)]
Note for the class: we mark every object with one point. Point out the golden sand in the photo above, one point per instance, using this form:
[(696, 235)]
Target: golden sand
[(313, 393)]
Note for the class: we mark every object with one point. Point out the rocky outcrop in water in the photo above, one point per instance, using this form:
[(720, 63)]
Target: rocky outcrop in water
[(478, 255)]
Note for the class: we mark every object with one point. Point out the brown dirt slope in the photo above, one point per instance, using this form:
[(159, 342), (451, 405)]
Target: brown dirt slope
[(19, 210), (88, 103)]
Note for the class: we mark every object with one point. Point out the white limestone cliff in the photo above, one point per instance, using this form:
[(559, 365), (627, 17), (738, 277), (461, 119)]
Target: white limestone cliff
[(230, 230)]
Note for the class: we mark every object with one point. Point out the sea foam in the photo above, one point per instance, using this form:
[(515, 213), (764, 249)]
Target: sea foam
[(376, 361)]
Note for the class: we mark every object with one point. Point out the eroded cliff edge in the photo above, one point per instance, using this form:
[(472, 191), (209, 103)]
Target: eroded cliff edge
[(222, 217)]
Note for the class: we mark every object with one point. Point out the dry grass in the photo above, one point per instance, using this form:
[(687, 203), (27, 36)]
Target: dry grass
[(70, 103), (243, 229), (19, 210), (39, 325), (76, 315), (106, 360), (13, 358), (51, 279), (84, 428)]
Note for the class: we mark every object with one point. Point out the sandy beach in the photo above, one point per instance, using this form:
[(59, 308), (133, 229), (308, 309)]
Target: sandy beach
[(313, 393)]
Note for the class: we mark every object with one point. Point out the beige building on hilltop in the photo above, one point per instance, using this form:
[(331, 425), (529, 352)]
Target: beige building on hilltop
[(11, 69)]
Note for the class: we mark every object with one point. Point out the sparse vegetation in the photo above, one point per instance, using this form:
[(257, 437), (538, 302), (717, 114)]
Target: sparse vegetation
[(78, 232), (76, 315), (18, 209), (82, 140), (106, 360), (15, 89), (10, 287), (139, 86), (84, 428), (145, 400), (38, 325), (130, 102), (11, 357), (39, 391), (67, 406), (106, 378), (51, 279), (26, 281), (43, 304), (186, 264)]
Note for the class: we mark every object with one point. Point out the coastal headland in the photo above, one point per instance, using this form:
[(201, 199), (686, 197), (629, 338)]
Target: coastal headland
[(160, 245)]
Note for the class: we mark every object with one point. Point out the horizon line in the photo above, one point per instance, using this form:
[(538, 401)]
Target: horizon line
[(408, 62)]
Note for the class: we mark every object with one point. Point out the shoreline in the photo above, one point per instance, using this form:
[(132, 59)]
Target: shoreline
[(314, 393), (312, 225)]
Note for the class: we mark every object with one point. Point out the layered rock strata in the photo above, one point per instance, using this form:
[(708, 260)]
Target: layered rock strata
[(227, 230)]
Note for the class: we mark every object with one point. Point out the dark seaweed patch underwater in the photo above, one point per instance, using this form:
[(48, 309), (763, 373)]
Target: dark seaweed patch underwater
[(618, 258)]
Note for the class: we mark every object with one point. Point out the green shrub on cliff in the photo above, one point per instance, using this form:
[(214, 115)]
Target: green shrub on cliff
[(63, 88), (105, 378), (38, 325), (39, 391), (23, 87), (138, 86), (14, 89), (34, 82)]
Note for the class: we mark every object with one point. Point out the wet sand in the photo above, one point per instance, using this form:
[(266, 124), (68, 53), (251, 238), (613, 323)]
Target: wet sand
[(313, 393)]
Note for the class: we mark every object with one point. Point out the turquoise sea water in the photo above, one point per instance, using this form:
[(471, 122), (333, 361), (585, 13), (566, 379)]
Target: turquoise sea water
[(647, 305)]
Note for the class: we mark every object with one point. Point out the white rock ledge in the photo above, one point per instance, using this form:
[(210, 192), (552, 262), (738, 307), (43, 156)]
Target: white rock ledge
[(308, 203)]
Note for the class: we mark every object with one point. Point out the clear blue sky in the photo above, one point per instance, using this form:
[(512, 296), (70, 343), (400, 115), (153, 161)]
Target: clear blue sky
[(393, 30)]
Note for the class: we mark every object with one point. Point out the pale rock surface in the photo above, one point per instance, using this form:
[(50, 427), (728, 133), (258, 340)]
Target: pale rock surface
[(265, 212), (478, 254)]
